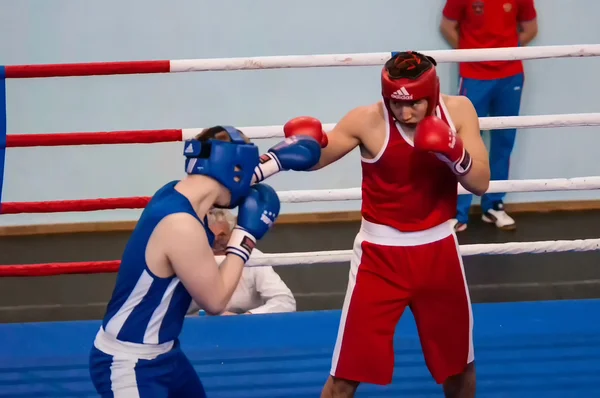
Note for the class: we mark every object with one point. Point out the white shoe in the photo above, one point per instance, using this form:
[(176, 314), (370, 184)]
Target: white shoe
[(497, 215), (458, 226)]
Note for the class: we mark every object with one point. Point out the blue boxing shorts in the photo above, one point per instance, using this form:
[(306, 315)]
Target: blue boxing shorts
[(126, 375)]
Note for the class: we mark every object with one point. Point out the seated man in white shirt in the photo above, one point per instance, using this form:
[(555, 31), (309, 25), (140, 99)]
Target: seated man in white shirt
[(260, 290)]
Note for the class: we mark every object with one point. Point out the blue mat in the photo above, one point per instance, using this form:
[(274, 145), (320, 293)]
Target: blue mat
[(542, 349)]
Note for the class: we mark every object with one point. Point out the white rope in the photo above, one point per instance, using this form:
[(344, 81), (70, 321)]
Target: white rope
[(485, 123), (541, 121), (343, 256), (373, 59), (542, 185)]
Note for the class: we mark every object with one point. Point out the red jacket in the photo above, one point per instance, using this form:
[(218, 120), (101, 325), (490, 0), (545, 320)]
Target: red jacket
[(489, 24)]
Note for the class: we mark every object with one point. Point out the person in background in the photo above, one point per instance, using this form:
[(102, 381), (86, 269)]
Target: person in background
[(493, 87), (260, 290)]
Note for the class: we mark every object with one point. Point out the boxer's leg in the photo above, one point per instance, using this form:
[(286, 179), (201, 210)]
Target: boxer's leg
[(125, 376), (442, 310), (100, 372), (374, 303), (186, 382)]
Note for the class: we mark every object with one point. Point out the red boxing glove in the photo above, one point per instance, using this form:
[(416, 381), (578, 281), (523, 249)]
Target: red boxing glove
[(434, 135), (306, 125)]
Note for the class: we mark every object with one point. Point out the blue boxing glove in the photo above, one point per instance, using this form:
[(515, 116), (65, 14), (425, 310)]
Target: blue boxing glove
[(300, 151), (256, 215)]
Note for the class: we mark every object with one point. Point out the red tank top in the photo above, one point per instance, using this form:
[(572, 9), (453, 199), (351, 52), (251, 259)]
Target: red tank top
[(406, 189)]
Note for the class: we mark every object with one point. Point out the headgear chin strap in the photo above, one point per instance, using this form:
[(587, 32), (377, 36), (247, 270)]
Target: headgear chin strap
[(230, 163), (411, 86)]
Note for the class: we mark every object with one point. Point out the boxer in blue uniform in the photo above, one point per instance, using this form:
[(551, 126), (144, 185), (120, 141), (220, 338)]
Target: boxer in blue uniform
[(168, 261)]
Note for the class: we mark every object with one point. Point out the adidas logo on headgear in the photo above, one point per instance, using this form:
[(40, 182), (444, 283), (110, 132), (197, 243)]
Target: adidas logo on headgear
[(402, 94)]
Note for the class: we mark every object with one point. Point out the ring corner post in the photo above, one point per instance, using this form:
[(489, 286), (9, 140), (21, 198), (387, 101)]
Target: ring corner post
[(2, 128)]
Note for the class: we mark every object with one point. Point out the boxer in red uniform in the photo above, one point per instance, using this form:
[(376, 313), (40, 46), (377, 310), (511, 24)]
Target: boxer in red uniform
[(416, 146)]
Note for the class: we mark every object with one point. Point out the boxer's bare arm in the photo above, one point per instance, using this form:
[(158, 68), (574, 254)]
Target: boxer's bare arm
[(186, 246), (477, 180), (344, 137)]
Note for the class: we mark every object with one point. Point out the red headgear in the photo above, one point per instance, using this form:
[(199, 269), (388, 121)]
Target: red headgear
[(413, 78)]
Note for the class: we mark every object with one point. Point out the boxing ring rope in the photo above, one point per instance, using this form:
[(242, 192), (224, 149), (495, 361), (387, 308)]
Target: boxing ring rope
[(308, 258), (292, 61), (298, 196), (262, 132), (305, 258)]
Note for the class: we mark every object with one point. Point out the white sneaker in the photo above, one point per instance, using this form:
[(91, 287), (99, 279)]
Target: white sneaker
[(458, 226), (497, 215)]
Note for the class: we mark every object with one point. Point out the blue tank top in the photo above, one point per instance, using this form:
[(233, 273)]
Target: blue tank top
[(144, 308)]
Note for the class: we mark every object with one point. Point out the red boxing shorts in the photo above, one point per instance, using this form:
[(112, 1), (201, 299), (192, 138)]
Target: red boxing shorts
[(389, 271)]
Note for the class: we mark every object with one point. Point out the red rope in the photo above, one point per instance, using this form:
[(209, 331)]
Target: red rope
[(60, 206), (49, 269), (86, 69), (94, 138)]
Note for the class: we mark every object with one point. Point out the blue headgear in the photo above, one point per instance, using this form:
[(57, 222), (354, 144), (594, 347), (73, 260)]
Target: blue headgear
[(219, 160)]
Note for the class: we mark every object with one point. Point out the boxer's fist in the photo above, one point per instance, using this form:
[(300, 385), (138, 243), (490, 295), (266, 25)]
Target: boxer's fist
[(306, 125), (300, 151), (297, 153), (434, 135), (259, 210), (256, 215)]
